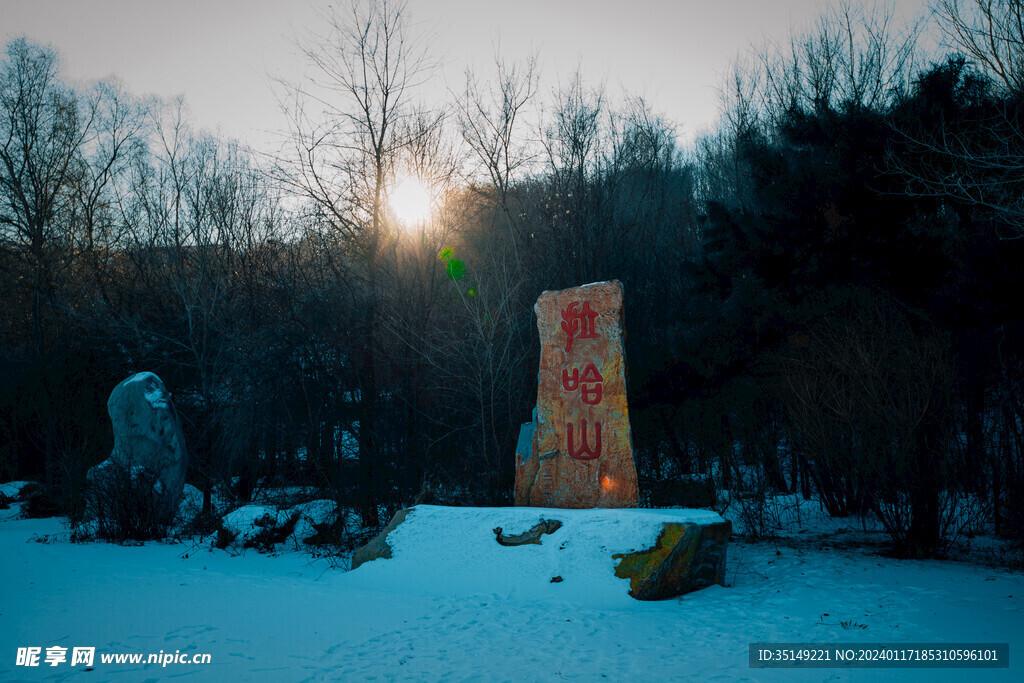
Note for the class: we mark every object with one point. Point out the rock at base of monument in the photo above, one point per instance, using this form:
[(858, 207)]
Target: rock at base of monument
[(686, 557), (378, 547), (659, 553)]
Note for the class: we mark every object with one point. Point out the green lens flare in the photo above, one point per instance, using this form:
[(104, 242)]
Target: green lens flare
[(456, 269)]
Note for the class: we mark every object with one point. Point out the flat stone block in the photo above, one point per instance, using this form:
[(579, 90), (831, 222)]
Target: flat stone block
[(685, 558), (588, 557)]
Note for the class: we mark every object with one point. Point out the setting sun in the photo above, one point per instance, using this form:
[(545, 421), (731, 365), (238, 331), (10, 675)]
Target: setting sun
[(410, 200)]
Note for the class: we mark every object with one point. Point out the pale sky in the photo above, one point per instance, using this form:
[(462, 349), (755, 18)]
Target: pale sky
[(221, 54)]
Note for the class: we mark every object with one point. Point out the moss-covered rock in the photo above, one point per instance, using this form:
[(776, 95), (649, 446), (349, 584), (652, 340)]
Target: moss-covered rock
[(685, 558)]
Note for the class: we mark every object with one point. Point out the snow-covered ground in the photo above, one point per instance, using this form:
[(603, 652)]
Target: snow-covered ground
[(441, 609)]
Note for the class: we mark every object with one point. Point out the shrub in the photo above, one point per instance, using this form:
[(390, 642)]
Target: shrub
[(271, 533), (40, 501), (225, 537), (869, 399), (121, 503), (202, 524)]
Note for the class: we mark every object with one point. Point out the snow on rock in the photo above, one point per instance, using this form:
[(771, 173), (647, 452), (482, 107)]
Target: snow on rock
[(249, 520), (287, 618), (191, 503), (12, 488), (10, 505), (315, 512), (153, 388), (453, 551)]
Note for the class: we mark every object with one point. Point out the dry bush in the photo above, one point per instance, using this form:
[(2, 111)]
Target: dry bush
[(121, 503), (869, 397)]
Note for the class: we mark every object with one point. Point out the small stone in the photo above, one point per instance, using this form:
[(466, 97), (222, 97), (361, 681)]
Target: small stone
[(545, 526)]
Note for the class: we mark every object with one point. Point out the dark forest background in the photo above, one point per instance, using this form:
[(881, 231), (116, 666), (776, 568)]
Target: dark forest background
[(823, 291)]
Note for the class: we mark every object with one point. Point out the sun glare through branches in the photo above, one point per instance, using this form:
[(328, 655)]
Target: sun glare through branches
[(411, 201)]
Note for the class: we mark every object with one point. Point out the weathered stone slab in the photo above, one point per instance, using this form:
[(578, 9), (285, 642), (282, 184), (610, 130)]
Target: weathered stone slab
[(591, 557), (378, 547), (686, 557), (149, 446), (581, 454)]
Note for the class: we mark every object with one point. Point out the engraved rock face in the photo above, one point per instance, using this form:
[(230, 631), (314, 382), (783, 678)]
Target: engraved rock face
[(581, 453)]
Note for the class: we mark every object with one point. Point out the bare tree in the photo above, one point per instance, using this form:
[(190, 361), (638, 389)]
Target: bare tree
[(875, 56), (43, 127), (869, 401), (723, 175), (117, 139), (854, 55), (488, 117), (975, 158), (188, 291), (985, 171), (574, 138), (347, 121), (43, 124), (991, 32), (349, 124), (971, 155)]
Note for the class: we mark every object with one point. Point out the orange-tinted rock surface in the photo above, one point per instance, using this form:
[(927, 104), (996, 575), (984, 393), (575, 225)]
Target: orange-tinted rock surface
[(581, 452)]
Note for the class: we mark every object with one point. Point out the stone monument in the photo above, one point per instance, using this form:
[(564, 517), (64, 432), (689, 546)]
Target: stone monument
[(148, 443), (578, 452)]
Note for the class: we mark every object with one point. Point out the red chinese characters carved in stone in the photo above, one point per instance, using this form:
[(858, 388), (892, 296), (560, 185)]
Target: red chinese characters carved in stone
[(578, 453), (584, 452), (578, 324), (589, 384)]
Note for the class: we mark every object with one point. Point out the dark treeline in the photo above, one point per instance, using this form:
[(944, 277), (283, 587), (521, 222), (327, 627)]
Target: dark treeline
[(821, 292)]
